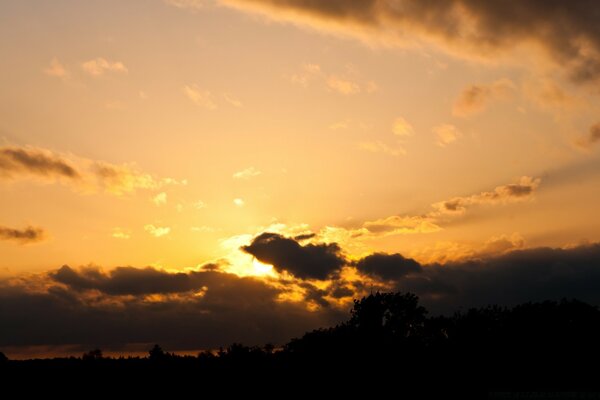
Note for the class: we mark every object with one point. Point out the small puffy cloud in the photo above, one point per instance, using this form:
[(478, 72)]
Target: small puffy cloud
[(239, 202), (247, 173), (56, 69), (200, 205), (446, 134), (119, 233), (476, 98), (27, 235), (343, 86), (202, 98), (160, 199), (100, 66), (402, 128), (157, 231), (312, 261)]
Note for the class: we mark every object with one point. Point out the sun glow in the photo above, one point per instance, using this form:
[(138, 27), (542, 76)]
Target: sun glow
[(261, 269)]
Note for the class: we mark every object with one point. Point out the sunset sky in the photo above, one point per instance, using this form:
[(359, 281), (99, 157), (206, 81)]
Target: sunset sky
[(264, 162)]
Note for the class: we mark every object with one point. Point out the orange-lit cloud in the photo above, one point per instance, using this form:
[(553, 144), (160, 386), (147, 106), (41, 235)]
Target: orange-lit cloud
[(100, 66), (476, 98), (446, 134), (247, 173), (200, 97), (84, 174), (57, 69), (157, 231)]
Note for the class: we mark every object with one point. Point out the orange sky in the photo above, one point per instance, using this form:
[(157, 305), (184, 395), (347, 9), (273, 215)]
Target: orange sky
[(171, 133)]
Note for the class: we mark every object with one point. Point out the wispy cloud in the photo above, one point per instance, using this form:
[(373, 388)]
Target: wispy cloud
[(476, 98), (247, 173), (100, 66), (200, 97)]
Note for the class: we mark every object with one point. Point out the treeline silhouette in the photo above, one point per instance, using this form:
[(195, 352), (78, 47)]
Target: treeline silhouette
[(389, 341)]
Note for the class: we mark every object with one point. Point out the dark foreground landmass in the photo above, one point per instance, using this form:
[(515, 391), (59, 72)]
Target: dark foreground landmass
[(388, 346)]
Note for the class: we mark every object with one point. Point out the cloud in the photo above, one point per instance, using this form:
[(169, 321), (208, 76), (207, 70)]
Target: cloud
[(201, 309), (81, 173), (202, 98), (27, 235), (157, 231), (200, 205), (387, 266), (514, 192), (402, 225), (247, 173), (432, 221), (378, 146), (446, 134), (343, 86), (187, 4), (34, 161), (56, 69), (119, 233), (160, 199), (239, 202), (100, 66), (475, 98), (232, 100), (126, 178), (565, 34), (348, 83), (517, 276), (589, 140), (402, 128), (312, 261)]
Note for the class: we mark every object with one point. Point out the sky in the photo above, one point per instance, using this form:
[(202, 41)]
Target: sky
[(197, 172)]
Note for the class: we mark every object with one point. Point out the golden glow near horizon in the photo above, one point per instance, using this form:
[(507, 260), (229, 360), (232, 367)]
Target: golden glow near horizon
[(170, 133)]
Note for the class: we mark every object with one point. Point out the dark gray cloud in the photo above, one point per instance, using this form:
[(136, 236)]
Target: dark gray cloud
[(19, 160), (132, 281), (27, 235), (519, 276), (387, 266), (89, 307), (567, 31), (312, 261)]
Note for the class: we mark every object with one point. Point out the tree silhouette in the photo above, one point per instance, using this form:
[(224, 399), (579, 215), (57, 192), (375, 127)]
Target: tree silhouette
[(92, 355)]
